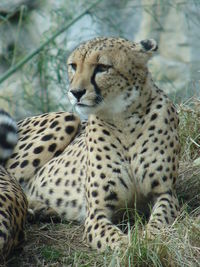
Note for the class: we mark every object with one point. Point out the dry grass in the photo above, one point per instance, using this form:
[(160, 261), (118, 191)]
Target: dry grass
[(188, 184), (62, 244), (189, 129)]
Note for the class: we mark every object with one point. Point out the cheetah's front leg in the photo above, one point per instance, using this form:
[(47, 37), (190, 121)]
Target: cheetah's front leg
[(164, 212), (100, 233), (107, 188)]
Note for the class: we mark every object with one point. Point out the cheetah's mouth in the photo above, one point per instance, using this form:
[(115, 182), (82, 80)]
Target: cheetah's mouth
[(84, 105)]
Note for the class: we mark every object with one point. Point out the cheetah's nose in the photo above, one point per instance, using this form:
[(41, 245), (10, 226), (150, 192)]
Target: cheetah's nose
[(78, 93)]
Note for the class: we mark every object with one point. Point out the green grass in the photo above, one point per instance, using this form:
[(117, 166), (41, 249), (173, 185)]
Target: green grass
[(50, 254)]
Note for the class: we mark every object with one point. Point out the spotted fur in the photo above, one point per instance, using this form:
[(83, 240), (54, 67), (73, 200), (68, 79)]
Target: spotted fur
[(13, 203), (124, 156)]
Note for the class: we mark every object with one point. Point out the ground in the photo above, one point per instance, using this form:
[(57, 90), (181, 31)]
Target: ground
[(62, 245)]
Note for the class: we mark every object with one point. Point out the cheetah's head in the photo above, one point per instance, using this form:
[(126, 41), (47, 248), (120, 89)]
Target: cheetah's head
[(106, 74)]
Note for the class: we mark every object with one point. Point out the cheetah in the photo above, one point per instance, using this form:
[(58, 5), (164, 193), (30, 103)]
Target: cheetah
[(122, 153), (13, 202)]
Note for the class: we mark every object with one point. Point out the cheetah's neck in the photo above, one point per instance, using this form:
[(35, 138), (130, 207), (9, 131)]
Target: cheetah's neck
[(134, 106)]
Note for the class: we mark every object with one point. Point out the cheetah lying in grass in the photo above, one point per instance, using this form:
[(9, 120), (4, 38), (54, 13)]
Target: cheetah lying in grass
[(124, 155)]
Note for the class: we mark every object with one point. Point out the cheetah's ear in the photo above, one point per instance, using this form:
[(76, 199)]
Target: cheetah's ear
[(149, 45)]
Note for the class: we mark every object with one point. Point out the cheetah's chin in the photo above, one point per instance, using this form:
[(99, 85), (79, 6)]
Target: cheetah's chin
[(85, 110)]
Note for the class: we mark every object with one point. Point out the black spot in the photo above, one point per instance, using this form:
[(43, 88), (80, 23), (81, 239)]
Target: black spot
[(151, 128), (47, 137), (36, 162), (154, 116), (67, 163), (111, 196), (58, 181), (108, 157), (70, 117), (166, 219), (99, 244), (98, 157), (89, 228), (94, 193), (168, 158), (144, 150), (122, 182), (24, 138), (58, 202), (43, 184), (53, 124), (28, 146), (74, 203), (16, 212), (52, 147), (166, 121), (43, 122), (41, 130), (101, 139), (96, 226), (164, 178), (66, 192), (171, 144), (101, 216), (160, 168), (139, 135), (21, 180), (141, 159), (154, 184), (50, 191), (69, 129), (116, 170), (1, 211), (73, 170), (24, 163), (14, 165), (102, 175), (106, 187), (90, 238), (159, 106), (105, 132), (3, 235), (99, 167), (146, 165)]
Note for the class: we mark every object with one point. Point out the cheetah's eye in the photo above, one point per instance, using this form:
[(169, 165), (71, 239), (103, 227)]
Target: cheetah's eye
[(102, 68), (73, 66)]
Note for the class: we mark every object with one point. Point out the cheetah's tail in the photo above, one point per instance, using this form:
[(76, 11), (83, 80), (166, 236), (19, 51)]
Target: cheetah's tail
[(8, 135)]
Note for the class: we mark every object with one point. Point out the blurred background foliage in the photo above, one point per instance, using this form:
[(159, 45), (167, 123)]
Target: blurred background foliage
[(40, 85)]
